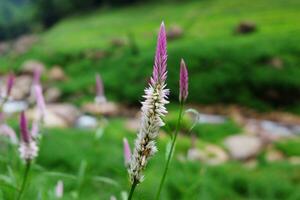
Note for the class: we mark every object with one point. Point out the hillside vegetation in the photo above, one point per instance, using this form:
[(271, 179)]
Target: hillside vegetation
[(225, 67)]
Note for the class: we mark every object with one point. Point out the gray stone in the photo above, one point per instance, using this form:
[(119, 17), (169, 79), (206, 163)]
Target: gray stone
[(242, 147), (86, 122)]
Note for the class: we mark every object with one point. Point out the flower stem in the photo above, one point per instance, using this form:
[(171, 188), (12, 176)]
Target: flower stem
[(24, 180), (170, 152), (133, 186)]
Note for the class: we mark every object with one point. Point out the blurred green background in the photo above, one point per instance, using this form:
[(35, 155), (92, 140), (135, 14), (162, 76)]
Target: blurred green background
[(241, 53)]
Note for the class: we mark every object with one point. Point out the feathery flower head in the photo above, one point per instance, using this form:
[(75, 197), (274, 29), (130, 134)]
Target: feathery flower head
[(100, 97), (28, 148), (40, 100), (127, 152), (160, 61), (153, 109), (183, 82), (9, 84)]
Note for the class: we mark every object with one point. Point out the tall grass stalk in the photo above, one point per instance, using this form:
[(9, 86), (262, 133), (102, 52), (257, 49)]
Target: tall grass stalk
[(25, 177), (173, 144)]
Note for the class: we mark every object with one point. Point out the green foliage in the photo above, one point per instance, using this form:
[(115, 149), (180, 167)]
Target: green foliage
[(289, 147), (93, 168), (15, 18), (216, 132), (223, 66)]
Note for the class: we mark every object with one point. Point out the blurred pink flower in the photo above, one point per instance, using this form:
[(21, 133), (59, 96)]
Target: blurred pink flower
[(9, 84), (100, 97), (35, 129), (25, 135), (36, 76), (183, 82), (40, 100), (59, 189), (9, 132), (28, 148)]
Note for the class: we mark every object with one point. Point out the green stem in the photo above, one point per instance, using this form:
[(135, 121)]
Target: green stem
[(24, 179), (133, 186), (170, 152)]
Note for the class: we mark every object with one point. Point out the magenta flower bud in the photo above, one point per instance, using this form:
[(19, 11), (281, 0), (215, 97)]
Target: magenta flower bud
[(160, 61), (183, 82), (99, 86), (40, 99), (24, 128), (9, 84), (127, 152), (36, 77)]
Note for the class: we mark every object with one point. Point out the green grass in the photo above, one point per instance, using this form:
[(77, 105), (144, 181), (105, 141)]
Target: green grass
[(223, 67), (289, 147), (93, 168), (216, 133)]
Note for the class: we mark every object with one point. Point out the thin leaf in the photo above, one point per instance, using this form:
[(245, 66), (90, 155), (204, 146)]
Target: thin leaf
[(106, 180)]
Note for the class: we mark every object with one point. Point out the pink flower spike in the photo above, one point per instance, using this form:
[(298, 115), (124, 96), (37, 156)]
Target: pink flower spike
[(59, 189), (127, 152), (9, 84), (160, 62), (99, 86), (34, 129), (40, 99), (9, 132), (37, 76), (183, 82), (24, 128)]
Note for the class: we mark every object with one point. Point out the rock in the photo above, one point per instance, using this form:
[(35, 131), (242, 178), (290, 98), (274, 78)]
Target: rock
[(23, 43), (118, 42), (211, 154), (246, 27), (275, 128), (175, 32), (276, 62), (15, 106), (86, 122), (54, 120), (211, 119), (269, 131), (57, 74), (251, 164), (107, 109), (22, 87), (4, 48), (29, 66), (274, 155), (242, 147), (95, 54), (52, 95), (295, 160), (67, 112)]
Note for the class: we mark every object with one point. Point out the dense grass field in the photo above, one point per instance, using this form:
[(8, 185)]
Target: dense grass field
[(84, 162), (225, 67)]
